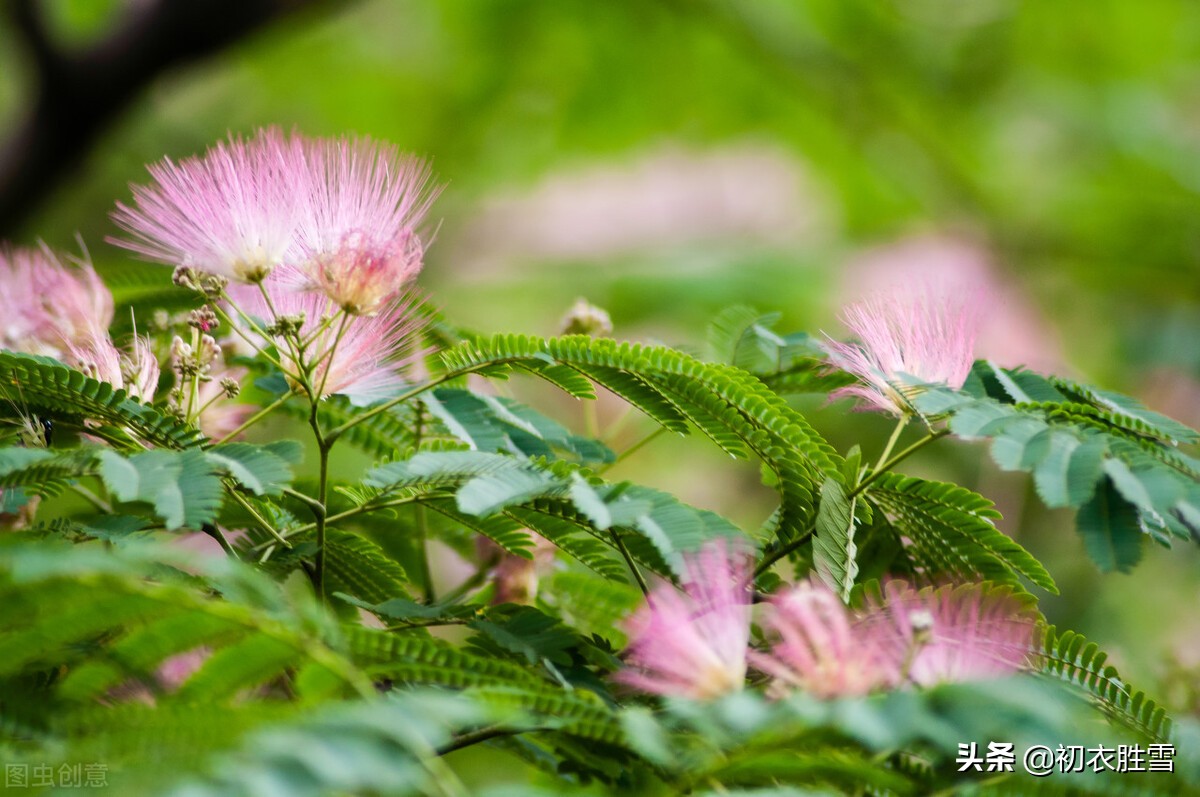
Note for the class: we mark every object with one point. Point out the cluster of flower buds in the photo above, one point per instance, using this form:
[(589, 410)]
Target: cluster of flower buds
[(196, 362), (203, 319), (211, 285), (288, 325)]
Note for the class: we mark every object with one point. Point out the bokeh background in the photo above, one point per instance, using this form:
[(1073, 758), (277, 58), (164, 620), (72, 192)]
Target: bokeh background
[(667, 159)]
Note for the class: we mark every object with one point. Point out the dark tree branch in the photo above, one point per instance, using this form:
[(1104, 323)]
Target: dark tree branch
[(79, 94)]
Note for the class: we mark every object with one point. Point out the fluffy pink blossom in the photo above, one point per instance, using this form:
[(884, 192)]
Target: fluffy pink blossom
[(952, 633), (1014, 331), (926, 336), (232, 212), (693, 643), (362, 201), (136, 372), (45, 306), (820, 648), (371, 353)]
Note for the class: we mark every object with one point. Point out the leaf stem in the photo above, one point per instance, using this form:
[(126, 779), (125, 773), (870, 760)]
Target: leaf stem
[(637, 574), (338, 431), (256, 417), (891, 443), (318, 509), (422, 520), (904, 454), (885, 464), (254, 513), (261, 349), (633, 449), (329, 353), (214, 532), (771, 558), (91, 498), (483, 735), (358, 510)]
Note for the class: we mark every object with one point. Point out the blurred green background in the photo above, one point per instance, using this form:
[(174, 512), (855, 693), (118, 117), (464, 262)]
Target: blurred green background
[(667, 159)]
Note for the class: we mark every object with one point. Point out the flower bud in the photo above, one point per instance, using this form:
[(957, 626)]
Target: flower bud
[(208, 352), (185, 277), (586, 319), (202, 318)]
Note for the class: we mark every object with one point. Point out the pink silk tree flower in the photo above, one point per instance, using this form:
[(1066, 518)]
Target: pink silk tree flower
[(819, 649), (232, 212), (952, 633), (135, 372), (46, 306), (357, 241), (693, 643), (371, 352), (925, 335)]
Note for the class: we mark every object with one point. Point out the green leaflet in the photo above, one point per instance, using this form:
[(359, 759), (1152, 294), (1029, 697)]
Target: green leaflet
[(183, 487), (490, 423), (834, 549), (42, 471), (1110, 529), (407, 611), (359, 567), (1079, 453), (667, 385), (533, 494), (1070, 657), (375, 747), (793, 363), (249, 662), (262, 469), (41, 385), (528, 633), (953, 526), (421, 659), (109, 619), (489, 493)]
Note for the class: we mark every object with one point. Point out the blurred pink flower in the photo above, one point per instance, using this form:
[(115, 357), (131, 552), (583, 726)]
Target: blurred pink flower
[(693, 644), (951, 633), (174, 671), (819, 649), (515, 577), (46, 306), (371, 351), (655, 202), (362, 202), (927, 335), (231, 212), (1014, 331)]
